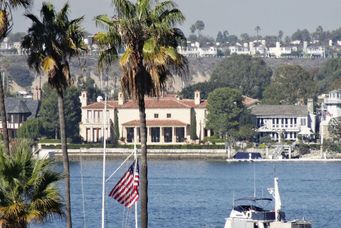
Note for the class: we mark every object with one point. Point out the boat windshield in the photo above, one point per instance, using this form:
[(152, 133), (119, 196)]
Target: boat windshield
[(251, 203)]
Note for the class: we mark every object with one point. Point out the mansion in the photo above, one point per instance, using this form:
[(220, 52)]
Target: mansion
[(285, 122), (168, 119)]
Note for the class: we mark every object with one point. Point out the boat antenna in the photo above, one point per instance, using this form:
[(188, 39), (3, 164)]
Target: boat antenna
[(254, 180)]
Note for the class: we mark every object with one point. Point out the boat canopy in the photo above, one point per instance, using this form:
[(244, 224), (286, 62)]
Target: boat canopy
[(247, 155)]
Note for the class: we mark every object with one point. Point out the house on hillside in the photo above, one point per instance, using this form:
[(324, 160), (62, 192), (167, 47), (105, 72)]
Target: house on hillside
[(285, 122), (168, 119)]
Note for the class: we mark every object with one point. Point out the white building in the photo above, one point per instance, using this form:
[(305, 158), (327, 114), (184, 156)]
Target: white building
[(313, 50), (197, 51), (278, 51), (168, 119), (239, 50), (287, 121), (330, 108)]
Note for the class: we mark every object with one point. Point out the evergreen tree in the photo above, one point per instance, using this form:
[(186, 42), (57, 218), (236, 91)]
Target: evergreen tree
[(193, 125), (116, 127)]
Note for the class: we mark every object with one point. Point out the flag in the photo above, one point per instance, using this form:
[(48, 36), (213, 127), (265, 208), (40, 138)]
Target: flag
[(126, 191)]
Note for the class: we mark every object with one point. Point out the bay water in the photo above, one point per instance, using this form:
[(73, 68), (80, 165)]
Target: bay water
[(195, 193)]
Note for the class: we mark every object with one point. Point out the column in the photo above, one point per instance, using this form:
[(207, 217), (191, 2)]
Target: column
[(149, 137), (173, 135), (162, 135), (91, 136), (135, 140)]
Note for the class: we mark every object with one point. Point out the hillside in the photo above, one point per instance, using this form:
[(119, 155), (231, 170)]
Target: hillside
[(200, 70)]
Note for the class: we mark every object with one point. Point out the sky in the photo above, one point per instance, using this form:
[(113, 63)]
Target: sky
[(235, 16)]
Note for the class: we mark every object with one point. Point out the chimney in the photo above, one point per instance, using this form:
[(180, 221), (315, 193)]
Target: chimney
[(197, 98), (84, 98), (310, 105), (121, 100)]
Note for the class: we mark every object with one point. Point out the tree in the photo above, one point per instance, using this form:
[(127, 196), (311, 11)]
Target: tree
[(334, 127), (220, 37), (245, 37), (257, 29), (249, 75), (6, 24), (290, 84), (301, 35), (280, 35), (30, 129), (48, 112), (225, 109), (28, 190), (199, 25), (145, 29), (116, 126), (193, 134), (329, 75), (91, 88), (204, 87), (51, 42), (193, 28)]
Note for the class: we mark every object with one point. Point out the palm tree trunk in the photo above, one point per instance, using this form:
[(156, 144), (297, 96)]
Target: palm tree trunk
[(144, 167), (3, 115), (65, 158)]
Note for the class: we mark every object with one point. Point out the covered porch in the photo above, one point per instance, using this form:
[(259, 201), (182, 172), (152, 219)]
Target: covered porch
[(158, 132)]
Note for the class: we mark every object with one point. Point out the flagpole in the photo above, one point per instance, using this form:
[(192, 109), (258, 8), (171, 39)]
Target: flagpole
[(135, 158), (104, 159)]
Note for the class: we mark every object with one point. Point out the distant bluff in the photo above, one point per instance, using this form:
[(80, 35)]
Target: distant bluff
[(200, 70)]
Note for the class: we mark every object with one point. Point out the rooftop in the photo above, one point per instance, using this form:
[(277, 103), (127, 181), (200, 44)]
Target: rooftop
[(279, 110)]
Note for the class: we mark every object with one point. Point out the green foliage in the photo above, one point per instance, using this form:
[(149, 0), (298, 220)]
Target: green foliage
[(199, 25), (290, 84), (225, 109), (49, 112), (302, 35), (303, 149), (193, 133), (116, 126), (30, 129), (73, 113), (90, 86), (204, 87), (249, 75), (28, 190), (334, 128), (329, 75)]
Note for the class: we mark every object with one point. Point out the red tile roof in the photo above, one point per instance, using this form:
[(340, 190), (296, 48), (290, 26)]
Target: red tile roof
[(156, 123)]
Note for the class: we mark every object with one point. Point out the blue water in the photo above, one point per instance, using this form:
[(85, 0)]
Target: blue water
[(199, 193)]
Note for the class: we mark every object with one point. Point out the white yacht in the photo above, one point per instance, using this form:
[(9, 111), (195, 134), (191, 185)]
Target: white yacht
[(250, 212)]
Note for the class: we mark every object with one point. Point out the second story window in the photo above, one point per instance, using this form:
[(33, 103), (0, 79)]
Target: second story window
[(303, 122), (169, 115), (156, 115)]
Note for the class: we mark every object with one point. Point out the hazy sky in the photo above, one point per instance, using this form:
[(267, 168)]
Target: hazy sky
[(236, 16)]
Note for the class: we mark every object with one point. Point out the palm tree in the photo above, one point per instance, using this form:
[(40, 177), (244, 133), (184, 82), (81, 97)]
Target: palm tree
[(146, 32), (28, 191), (5, 28), (257, 29), (50, 43)]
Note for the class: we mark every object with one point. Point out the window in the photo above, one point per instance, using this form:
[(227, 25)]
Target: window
[(169, 115), (156, 115), (303, 122)]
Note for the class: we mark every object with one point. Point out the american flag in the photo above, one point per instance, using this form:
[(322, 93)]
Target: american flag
[(126, 191)]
